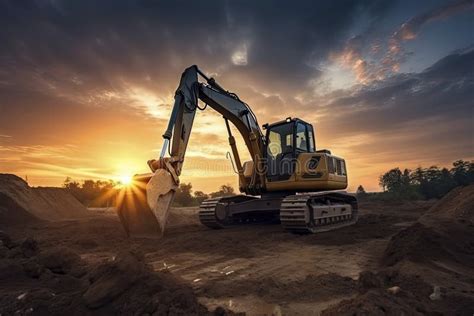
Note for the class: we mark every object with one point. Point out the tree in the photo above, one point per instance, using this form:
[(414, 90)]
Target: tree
[(444, 183), (405, 179), (434, 182), (200, 196), (71, 184), (74, 188), (225, 190), (360, 191), (391, 180), (183, 195), (399, 184), (463, 172), (430, 183), (418, 176), (98, 193)]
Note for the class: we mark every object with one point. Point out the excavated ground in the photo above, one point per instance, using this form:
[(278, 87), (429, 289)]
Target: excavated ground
[(260, 270)]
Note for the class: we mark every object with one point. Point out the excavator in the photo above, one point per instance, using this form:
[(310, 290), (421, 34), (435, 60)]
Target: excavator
[(287, 179)]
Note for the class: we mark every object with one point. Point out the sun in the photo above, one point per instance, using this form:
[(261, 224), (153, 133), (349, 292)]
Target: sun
[(126, 179)]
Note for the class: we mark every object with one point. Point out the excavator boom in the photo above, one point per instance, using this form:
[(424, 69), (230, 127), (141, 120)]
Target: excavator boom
[(143, 207)]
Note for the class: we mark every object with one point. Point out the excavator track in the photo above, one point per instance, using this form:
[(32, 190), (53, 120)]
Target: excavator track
[(207, 214), (301, 213), (320, 212), (236, 210)]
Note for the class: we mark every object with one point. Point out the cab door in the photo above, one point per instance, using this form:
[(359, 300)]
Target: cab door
[(301, 139), (280, 153)]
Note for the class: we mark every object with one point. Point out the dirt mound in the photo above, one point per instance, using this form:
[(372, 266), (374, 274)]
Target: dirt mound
[(125, 285), (374, 298), (416, 243), (59, 203), (11, 212), (21, 204), (445, 231), (392, 292), (375, 303), (56, 281), (456, 207)]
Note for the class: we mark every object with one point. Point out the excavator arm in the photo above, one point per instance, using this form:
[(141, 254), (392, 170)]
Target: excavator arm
[(176, 136), (140, 218)]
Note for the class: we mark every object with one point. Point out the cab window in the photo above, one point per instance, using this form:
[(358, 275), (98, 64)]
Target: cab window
[(280, 140), (301, 140), (274, 143), (311, 148)]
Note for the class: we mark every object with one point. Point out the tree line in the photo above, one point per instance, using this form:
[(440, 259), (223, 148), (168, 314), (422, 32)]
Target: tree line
[(420, 183), (103, 193), (100, 193), (186, 197), (424, 183)]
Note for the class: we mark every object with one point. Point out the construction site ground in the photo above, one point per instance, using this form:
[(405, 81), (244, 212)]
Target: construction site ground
[(256, 269)]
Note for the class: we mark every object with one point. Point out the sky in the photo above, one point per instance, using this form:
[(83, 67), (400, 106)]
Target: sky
[(86, 87)]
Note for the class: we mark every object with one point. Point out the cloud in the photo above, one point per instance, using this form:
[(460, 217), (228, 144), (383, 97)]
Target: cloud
[(373, 59), (410, 29), (63, 47), (406, 119), (442, 90), (239, 57)]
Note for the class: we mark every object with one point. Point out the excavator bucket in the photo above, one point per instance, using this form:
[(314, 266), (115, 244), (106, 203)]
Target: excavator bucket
[(143, 207)]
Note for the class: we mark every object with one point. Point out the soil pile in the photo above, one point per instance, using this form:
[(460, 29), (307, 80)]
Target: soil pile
[(457, 207), (392, 292), (426, 268), (21, 204), (445, 231), (373, 300), (374, 303), (417, 243), (57, 281), (126, 285)]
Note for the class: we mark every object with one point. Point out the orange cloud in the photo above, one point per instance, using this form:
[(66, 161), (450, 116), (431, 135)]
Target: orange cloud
[(410, 29), (364, 63)]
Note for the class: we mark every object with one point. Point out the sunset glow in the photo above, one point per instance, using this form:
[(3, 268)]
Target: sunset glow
[(126, 179), (384, 86)]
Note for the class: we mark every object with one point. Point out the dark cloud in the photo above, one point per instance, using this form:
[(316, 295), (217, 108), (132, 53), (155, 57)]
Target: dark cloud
[(63, 43)]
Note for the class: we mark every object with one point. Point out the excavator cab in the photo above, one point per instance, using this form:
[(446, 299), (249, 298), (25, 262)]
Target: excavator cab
[(294, 164), (285, 141)]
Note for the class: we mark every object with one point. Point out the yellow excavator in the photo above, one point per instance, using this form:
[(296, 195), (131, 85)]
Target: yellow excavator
[(287, 180)]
